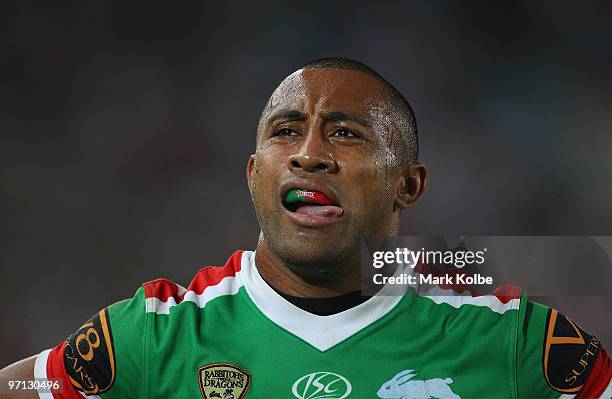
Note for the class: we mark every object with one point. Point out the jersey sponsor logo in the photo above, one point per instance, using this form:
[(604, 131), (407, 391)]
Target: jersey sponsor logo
[(569, 353), (89, 356), (223, 381), (402, 386), (321, 385)]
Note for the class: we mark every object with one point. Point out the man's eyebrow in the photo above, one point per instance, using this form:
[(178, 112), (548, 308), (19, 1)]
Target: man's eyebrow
[(339, 116), (287, 114)]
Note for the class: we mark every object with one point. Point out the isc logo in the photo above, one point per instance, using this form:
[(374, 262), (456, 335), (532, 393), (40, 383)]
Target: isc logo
[(322, 385)]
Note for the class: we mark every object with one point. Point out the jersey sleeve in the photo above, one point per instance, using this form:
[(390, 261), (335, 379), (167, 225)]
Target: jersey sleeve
[(103, 358), (556, 358)]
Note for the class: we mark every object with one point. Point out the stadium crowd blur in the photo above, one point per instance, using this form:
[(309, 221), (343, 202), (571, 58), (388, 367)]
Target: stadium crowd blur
[(125, 131)]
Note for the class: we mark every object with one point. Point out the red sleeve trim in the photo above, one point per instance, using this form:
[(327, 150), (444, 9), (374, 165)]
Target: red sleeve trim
[(57, 370), (599, 378)]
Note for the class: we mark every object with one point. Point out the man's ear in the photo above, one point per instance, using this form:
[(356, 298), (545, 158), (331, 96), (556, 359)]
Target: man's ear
[(411, 184), (250, 170)]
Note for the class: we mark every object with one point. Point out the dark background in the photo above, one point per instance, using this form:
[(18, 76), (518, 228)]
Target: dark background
[(125, 129)]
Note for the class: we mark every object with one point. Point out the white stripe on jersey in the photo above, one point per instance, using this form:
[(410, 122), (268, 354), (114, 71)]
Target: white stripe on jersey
[(40, 371), (439, 295), (607, 393), (227, 286)]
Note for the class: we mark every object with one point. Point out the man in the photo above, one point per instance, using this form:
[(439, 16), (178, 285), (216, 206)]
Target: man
[(335, 163)]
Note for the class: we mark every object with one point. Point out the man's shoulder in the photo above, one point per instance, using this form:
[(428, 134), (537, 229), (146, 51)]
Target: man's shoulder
[(162, 295), (457, 300)]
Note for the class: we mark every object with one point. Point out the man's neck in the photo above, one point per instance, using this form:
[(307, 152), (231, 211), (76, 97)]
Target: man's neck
[(283, 279)]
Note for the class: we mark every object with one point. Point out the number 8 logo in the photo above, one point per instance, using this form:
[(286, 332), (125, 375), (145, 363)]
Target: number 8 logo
[(93, 341)]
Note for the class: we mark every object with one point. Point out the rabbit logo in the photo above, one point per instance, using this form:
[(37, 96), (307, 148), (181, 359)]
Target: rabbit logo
[(401, 386)]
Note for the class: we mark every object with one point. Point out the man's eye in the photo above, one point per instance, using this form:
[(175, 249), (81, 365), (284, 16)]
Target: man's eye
[(343, 133), (286, 132)]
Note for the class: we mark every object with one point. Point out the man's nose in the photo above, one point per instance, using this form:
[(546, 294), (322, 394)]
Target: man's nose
[(313, 156)]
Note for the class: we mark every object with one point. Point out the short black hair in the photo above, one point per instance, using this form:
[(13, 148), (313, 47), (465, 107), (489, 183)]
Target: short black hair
[(407, 147)]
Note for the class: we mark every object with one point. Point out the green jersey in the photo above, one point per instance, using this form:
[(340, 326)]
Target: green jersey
[(229, 335)]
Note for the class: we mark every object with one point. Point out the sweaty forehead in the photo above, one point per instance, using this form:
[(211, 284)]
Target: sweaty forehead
[(330, 89)]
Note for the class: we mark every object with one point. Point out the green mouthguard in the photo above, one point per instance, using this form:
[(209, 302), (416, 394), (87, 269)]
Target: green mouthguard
[(314, 197), (292, 196)]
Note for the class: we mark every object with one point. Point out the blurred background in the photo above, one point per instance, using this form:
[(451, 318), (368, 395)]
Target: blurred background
[(125, 129)]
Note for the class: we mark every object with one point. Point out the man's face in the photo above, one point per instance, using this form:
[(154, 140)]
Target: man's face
[(324, 131)]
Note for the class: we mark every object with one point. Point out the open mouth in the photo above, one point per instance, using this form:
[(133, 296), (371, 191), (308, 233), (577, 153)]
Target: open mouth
[(311, 203)]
